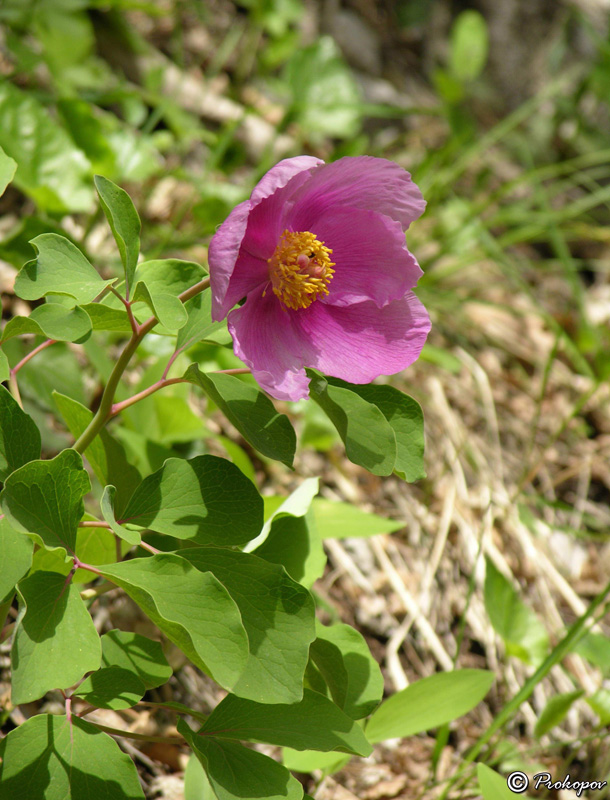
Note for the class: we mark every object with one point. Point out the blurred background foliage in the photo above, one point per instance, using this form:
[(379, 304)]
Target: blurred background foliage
[(500, 110)]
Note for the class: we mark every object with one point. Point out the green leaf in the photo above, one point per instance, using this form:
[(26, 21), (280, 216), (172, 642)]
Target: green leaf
[(48, 758), (595, 647), (19, 436), (55, 639), (124, 223), (350, 671), (105, 454), (59, 268), (192, 608), (199, 325), (314, 723), (107, 508), (5, 369), (341, 520), (406, 420), (205, 499), (521, 630), (250, 411), (368, 437), (15, 557), (236, 773), (493, 786), (53, 172), (428, 703), (169, 275), (165, 307), (196, 783), (7, 170), (469, 45), (45, 498), (600, 703), (53, 321), (138, 654), (105, 318), (278, 615), (555, 711), (308, 760), (294, 542), (83, 121), (111, 687)]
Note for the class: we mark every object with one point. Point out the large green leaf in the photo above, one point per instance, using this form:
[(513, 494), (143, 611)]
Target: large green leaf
[(341, 520), (351, 673), (406, 420), (523, 633), (124, 223), (205, 499), (112, 687), (192, 608), (555, 711), (200, 326), (46, 498), (251, 411), (368, 437), (278, 615), (107, 506), (314, 723), (55, 639), (47, 758), (7, 170), (237, 773), (428, 703), (52, 320), (167, 308), (19, 436), (144, 657), (105, 318), (105, 454), (15, 557), (294, 542), (169, 275), (493, 786), (59, 268), (50, 169)]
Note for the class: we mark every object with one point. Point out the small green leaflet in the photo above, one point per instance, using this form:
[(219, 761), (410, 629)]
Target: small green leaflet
[(59, 268), (45, 498), (5, 370), (294, 542), (406, 419), (251, 411), (199, 326), (55, 642), (192, 608), (53, 321), (19, 436), (342, 520), (368, 437), (555, 711), (46, 758), (353, 676), (428, 703), (107, 508), (494, 786), (112, 687), (124, 223), (235, 772), (278, 615), (144, 657), (205, 499), (314, 723), (167, 308), (105, 318), (169, 275)]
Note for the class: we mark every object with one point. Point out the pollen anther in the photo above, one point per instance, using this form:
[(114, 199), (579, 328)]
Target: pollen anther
[(300, 269)]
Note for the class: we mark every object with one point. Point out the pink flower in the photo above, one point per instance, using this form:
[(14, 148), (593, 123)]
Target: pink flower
[(319, 253)]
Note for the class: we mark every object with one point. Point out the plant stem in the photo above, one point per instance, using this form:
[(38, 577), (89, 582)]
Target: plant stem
[(31, 354), (104, 412), (160, 384), (140, 736), (93, 523)]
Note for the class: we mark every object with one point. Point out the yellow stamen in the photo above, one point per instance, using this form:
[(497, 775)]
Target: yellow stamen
[(300, 269)]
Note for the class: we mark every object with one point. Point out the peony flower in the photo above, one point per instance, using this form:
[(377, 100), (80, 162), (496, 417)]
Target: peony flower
[(319, 254)]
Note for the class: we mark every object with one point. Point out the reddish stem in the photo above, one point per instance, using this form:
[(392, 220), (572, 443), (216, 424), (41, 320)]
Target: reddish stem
[(150, 548), (81, 565), (236, 371), (90, 523), (160, 384), (31, 354)]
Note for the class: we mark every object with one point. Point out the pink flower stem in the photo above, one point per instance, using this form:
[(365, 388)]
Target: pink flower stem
[(161, 384), (150, 548), (81, 565), (104, 412), (127, 304), (31, 354), (235, 371), (168, 366)]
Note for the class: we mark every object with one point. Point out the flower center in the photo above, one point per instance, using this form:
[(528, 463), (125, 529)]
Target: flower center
[(300, 269)]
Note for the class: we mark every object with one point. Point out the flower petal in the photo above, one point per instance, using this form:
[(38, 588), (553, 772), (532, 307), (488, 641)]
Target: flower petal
[(265, 339), (222, 254), (361, 182), (370, 255), (360, 342)]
